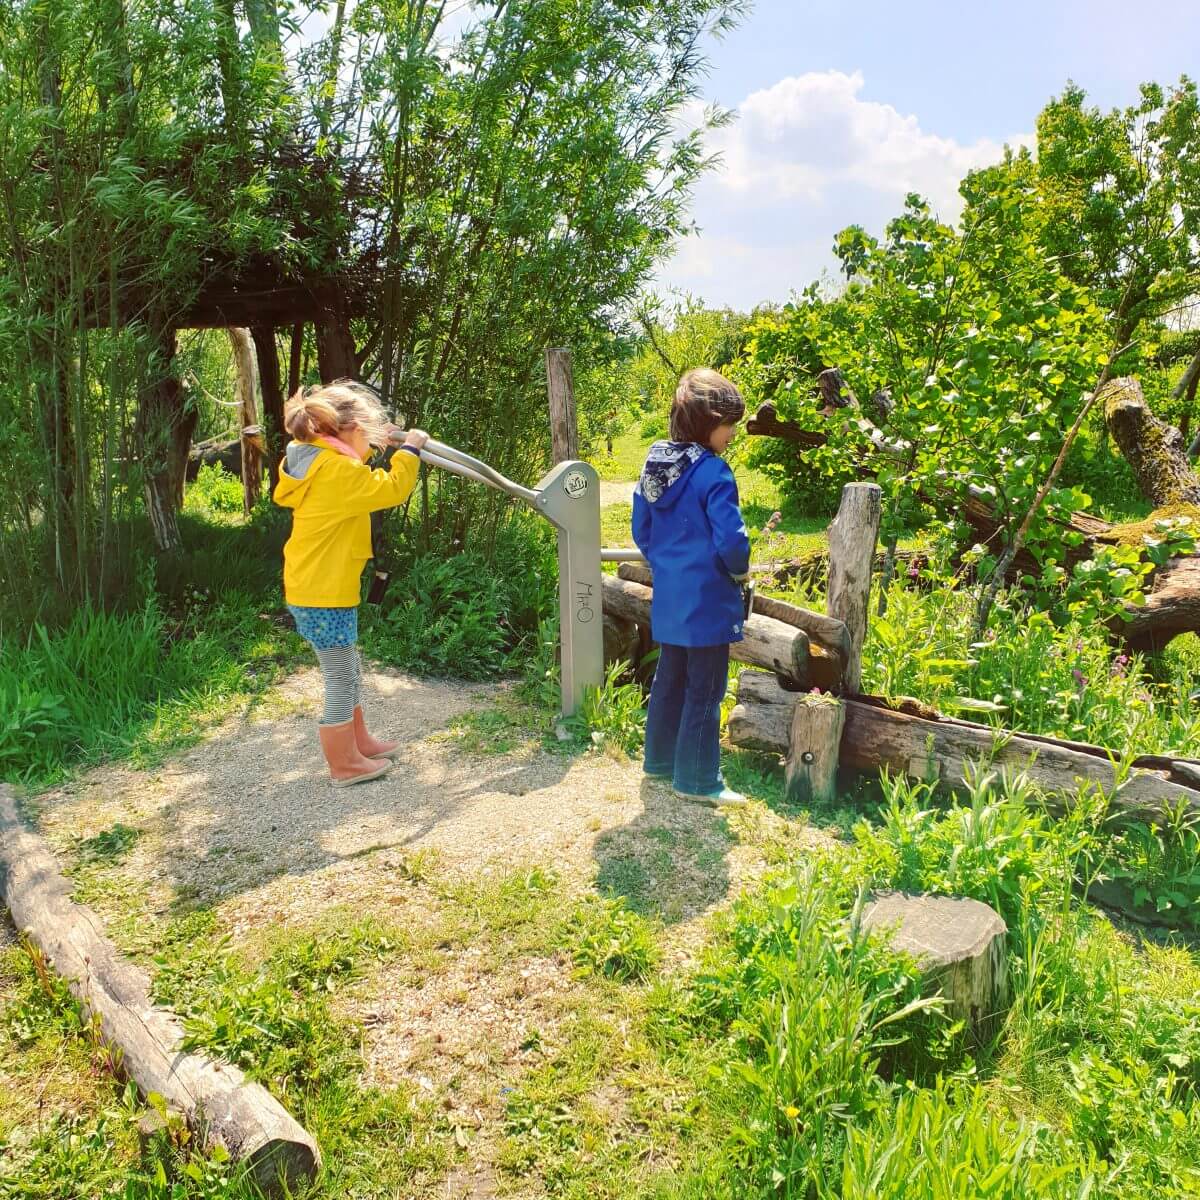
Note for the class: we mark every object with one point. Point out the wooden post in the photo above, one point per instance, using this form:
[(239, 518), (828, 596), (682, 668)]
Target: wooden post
[(247, 385), (851, 553), (217, 1100), (813, 746), (560, 386)]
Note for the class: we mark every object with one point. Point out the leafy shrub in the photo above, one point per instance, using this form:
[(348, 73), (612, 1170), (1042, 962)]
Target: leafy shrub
[(607, 939), (611, 715), (443, 616), (216, 491)]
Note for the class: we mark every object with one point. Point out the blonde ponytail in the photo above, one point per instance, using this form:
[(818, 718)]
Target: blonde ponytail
[(325, 410), (307, 417)]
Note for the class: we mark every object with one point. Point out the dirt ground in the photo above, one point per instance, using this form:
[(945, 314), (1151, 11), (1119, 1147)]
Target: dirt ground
[(246, 823)]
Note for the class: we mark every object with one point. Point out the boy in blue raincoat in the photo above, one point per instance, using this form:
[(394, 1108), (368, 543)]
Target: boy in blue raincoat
[(687, 523)]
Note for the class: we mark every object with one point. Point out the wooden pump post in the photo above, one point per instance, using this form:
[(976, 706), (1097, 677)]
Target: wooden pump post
[(560, 387)]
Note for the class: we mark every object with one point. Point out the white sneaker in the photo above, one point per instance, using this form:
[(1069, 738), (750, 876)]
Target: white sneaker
[(725, 798)]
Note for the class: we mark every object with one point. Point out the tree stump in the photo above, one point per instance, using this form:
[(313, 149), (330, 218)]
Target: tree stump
[(851, 552), (816, 738), (959, 945)]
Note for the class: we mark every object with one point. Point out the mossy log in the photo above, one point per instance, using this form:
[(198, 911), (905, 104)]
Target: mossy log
[(1154, 450)]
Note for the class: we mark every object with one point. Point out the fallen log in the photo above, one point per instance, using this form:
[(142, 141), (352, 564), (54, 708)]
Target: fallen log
[(766, 642), (215, 1098), (938, 749), (829, 639)]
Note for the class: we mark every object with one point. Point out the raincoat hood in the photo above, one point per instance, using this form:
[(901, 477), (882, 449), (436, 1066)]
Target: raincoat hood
[(301, 463), (667, 465)]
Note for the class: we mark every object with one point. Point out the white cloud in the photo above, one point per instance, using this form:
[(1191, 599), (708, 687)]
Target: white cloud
[(804, 158)]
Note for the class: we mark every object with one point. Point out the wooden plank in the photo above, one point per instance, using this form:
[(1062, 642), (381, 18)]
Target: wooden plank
[(216, 1099)]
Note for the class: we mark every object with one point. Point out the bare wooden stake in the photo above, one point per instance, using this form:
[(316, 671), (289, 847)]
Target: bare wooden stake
[(560, 386), (851, 552), (816, 738), (252, 441)]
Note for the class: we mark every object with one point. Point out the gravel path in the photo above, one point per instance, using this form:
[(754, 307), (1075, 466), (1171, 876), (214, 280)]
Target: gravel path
[(616, 492), (247, 820)]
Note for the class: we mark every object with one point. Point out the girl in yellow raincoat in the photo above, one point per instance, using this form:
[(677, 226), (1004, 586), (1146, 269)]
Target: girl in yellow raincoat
[(331, 491)]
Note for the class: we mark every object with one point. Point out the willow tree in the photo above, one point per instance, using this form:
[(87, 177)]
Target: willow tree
[(439, 201)]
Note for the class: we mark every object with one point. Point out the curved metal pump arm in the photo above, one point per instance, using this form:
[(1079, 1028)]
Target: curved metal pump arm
[(569, 498)]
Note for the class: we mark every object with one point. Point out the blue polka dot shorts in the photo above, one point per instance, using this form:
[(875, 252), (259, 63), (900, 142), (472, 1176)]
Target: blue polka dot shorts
[(326, 628)]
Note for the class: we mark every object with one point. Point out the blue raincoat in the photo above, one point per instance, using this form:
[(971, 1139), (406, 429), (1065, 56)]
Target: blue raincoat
[(687, 523)]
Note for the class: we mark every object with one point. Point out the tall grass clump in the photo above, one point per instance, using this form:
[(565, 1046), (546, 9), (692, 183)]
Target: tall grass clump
[(1032, 674)]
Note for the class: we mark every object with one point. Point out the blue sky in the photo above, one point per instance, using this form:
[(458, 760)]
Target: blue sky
[(843, 107)]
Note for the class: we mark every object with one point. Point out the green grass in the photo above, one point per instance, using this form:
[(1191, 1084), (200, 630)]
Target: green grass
[(752, 1055)]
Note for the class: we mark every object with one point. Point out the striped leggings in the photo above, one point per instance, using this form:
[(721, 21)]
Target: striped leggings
[(342, 670)]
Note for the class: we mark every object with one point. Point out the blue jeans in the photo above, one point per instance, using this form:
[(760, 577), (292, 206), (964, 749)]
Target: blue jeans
[(683, 723)]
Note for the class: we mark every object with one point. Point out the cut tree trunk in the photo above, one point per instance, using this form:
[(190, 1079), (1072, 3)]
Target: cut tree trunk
[(959, 945), (767, 643), (272, 396), (936, 749), (247, 387), (165, 423), (1152, 448), (851, 552), (215, 1098)]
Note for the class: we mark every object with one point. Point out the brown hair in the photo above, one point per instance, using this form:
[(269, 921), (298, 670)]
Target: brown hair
[(703, 400), (332, 407)]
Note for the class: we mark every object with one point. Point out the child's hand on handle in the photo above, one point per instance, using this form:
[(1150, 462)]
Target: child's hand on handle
[(415, 438)]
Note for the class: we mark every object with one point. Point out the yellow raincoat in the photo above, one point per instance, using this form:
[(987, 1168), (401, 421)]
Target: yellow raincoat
[(331, 505)]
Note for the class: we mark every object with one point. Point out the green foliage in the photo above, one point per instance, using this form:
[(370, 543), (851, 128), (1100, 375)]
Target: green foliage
[(948, 1144), (607, 939), (984, 346), (1156, 865), (1120, 198), (611, 715), (468, 614), (1028, 673), (215, 491)]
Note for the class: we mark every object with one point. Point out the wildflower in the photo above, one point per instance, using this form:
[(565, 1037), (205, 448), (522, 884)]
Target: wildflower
[(1119, 664), (1079, 677)]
